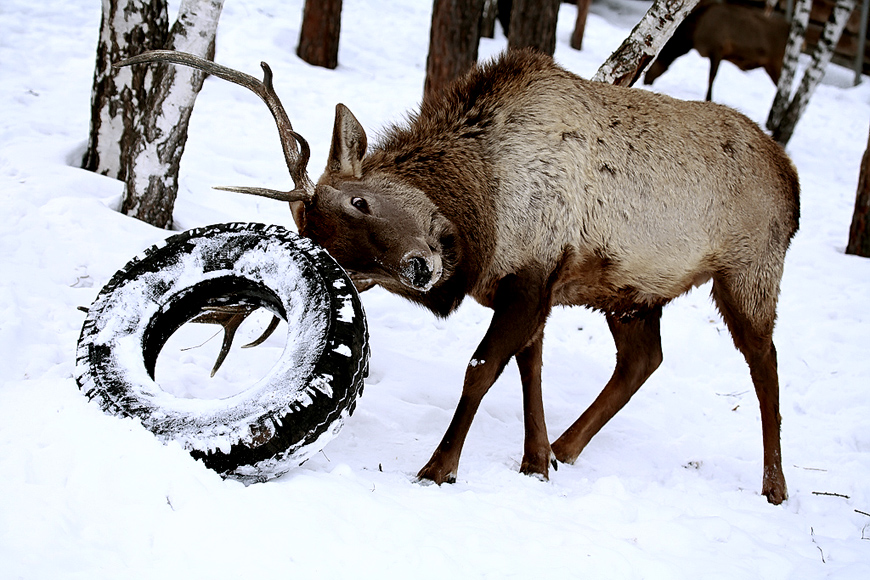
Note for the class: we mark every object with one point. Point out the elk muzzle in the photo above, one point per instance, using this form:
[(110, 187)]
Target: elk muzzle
[(420, 270)]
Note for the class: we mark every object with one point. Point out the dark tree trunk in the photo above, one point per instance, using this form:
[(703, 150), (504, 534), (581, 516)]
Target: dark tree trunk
[(321, 28), (140, 114), (580, 26), (487, 19), (453, 41), (533, 25), (859, 233), (637, 52)]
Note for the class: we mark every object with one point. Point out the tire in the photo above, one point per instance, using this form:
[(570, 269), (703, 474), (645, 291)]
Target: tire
[(280, 421)]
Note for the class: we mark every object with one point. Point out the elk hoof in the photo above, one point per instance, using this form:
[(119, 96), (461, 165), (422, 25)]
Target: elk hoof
[(774, 489), (279, 421), (436, 472), (562, 453), (538, 465)]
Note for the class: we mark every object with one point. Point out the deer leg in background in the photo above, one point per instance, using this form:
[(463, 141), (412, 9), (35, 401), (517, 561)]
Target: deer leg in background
[(537, 455), (754, 339), (638, 354), (521, 306), (714, 68)]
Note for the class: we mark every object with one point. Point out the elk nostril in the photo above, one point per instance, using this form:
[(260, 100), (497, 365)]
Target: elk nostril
[(420, 272)]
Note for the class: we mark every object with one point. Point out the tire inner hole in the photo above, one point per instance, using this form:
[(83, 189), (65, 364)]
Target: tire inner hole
[(186, 351)]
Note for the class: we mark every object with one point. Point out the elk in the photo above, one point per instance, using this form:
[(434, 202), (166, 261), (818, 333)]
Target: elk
[(525, 186), (742, 35)]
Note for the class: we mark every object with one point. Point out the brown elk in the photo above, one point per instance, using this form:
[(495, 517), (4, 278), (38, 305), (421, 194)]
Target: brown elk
[(739, 34), (525, 186)]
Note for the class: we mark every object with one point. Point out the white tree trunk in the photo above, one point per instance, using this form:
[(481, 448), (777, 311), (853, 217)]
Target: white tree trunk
[(118, 97), (796, 37), (140, 114), (628, 62), (821, 57), (152, 176)]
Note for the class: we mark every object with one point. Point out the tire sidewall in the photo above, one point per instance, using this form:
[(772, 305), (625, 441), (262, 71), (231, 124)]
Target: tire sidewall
[(286, 416)]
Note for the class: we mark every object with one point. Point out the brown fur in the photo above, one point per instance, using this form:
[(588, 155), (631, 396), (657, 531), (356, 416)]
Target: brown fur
[(524, 187), (739, 34)]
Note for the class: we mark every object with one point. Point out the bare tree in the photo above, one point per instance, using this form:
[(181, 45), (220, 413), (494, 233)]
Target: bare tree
[(640, 48), (783, 130), (139, 116), (453, 41), (859, 233), (580, 25), (321, 29), (533, 25)]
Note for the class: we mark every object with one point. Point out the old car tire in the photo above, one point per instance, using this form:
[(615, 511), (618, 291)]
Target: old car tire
[(281, 420)]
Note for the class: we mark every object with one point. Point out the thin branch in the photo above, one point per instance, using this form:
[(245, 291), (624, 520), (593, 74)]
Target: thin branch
[(831, 494)]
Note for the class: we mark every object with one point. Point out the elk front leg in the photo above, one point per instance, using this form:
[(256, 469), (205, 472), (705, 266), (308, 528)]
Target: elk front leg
[(521, 306), (537, 455)]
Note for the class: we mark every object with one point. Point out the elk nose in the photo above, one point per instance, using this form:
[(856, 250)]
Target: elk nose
[(419, 272)]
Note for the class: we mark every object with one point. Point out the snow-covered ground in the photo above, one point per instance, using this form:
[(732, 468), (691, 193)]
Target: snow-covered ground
[(668, 489)]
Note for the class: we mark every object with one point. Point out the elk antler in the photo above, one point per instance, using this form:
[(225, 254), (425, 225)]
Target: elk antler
[(297, 161), (231, 317)]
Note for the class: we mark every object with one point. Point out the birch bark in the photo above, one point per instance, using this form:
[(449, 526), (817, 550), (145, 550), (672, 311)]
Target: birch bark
[(796, 36), (640, 48), (140, 115), (152, 176), (128, 27), (783, 130)]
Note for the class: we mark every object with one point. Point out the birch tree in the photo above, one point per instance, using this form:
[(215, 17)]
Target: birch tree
[(782, 125), (796, 35), (640, 48), (140, 115)]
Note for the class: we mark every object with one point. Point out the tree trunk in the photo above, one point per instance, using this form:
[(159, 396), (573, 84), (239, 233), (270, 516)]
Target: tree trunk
[(533, 25), (580, 25), (140, 114), (487, 19), (796, 35), (152, 177), (783, 130), (118, 98), (321, 28), (859, 233), (628, 62), (453, 41)]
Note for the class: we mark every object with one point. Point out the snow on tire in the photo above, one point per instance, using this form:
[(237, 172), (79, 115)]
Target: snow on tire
[(282, 419)]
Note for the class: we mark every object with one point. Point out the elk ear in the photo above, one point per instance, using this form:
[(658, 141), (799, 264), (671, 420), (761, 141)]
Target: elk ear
[(348, 144)]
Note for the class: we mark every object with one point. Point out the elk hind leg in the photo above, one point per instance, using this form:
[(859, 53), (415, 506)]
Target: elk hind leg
[(751, 327), (638, 355), (715, 59)]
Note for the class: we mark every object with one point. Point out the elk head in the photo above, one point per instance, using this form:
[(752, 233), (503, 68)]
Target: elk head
[(363, 222)]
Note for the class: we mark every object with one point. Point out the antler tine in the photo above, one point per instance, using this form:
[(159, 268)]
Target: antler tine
[(297, 160)]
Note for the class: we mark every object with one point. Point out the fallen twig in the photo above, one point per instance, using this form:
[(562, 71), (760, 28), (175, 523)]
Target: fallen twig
[(831, 494)]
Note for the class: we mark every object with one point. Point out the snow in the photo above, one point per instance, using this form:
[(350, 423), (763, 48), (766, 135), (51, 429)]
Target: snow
[(668, 489)]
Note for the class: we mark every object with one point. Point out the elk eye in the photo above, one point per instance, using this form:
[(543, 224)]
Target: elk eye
[(360, 203)]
